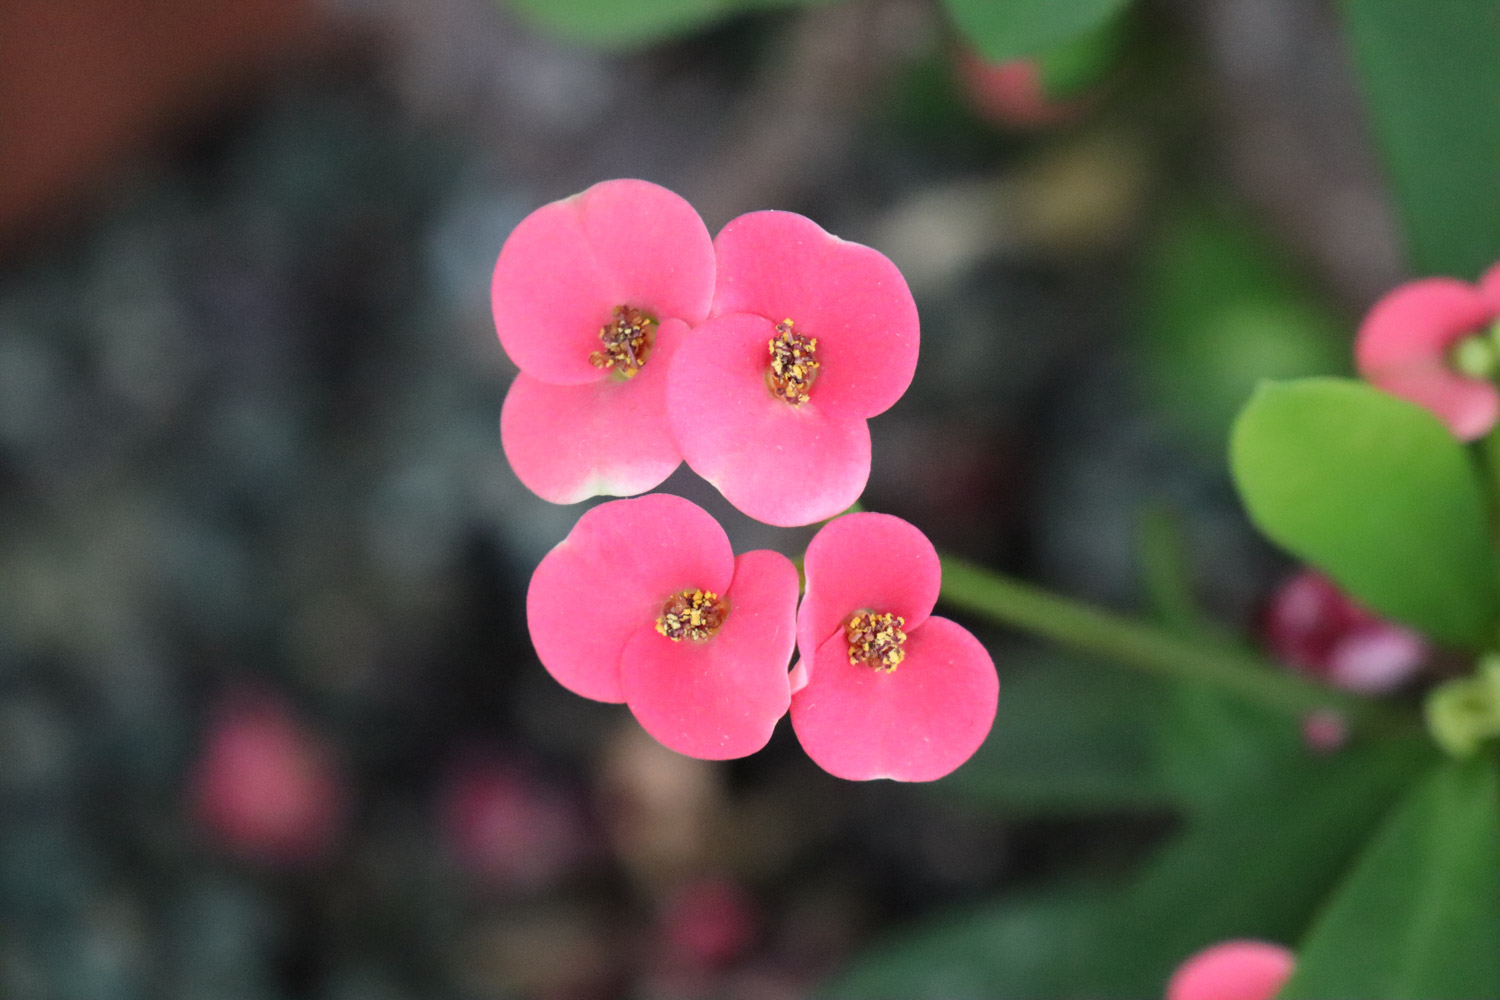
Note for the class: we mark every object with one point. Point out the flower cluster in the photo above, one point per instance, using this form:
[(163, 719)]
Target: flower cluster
[(757, 358), (1436, 342)]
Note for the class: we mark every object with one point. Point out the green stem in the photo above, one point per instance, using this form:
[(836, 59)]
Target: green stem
[(1146, 647)]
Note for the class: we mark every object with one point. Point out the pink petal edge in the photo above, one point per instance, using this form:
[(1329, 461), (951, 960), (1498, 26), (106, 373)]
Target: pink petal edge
[(610, 576), (918, 722), (610, 437), (866, 562), (566, 266), (720, 698), (1233, 970), (780, 265), (779, 464)]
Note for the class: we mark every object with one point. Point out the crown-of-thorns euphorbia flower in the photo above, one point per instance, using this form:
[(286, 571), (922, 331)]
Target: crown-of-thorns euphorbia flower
[(1312, 626), (1233, 970), (592, 296), (1436, 342), (808, 337), (645, 603), (884, 688)]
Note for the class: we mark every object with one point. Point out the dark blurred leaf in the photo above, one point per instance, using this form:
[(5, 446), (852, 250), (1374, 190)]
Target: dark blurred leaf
[(620, 23), (1432, 80), (1009, 29), (1070, 737), (1419, 919), (1255, 865), (1220, 312), (1377, 493)]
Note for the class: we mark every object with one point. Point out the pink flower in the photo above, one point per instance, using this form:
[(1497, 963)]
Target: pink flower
[(1429, 342), (1232, 970), (809, 336), (644, 602), (1312, 626), (1011, 93), (592, 295), (890, 691), (508, 827), (265, 787)]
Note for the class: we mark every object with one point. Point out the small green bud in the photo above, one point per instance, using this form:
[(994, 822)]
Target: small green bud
[(1477, 356), (1463, 713)]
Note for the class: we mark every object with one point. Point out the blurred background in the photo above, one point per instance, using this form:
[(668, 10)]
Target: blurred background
[(270, 723)]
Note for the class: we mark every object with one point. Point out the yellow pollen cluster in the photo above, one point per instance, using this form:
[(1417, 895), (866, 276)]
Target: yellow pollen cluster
[(794, 364), (875, 640), (692, 614), (627, 341)]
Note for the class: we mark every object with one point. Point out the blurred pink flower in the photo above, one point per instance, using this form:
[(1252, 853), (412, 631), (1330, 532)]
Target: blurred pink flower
[(644, 602), (1011, 93), (809, 336), (884, 688), (592, 295), (709, 922), (1232, 970), (1311, 625), (507, 826), (1406, 346), (265, 787)]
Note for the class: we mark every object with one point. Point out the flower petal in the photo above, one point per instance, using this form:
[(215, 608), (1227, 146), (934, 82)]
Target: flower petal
[(918, 722), (565, 268), (781, 464), (611, 576), (1417, 322), (1470, 407), (608, 437), (866, 562), (780, 265), (722, 697), (1489, 287), (1232, 970)]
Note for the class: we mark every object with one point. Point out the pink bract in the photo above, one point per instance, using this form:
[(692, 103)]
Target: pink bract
[(1402, 347), (573, 428), (266, 787), (1233, 970), (781, 462), (1312, 626), (595, 604), (917, 721)]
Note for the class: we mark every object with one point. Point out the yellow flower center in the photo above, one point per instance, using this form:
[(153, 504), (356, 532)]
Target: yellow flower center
[(794, 364), (692, 614), (627, 340), (875, 640)]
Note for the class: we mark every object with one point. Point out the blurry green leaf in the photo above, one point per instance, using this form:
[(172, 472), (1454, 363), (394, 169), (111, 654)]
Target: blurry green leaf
[(1419, 918), (1009, 29), (1070, 737), (1257, 865), (1432, 78), (621, 23), (1221, 311), (1376, 492)]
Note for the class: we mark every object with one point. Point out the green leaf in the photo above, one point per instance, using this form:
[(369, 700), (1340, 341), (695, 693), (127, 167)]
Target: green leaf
[(1419, 918), (1010, 29), (1073, 737), (1257, 865), (1220, 311), (1376, 492), (621, 23), (1432, 80)]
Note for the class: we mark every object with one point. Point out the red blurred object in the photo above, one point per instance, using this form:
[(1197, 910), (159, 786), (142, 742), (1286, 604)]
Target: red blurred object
[(1312, 626), (267, 788), (508, 827), (1011, 93), (84, 83), (709, 922)]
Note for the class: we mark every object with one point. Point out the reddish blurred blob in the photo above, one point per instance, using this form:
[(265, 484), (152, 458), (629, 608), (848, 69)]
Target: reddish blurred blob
[(1011, 93), (1312, 626), (507, 827), (1232, 970), (709, 922), (266, 787)]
